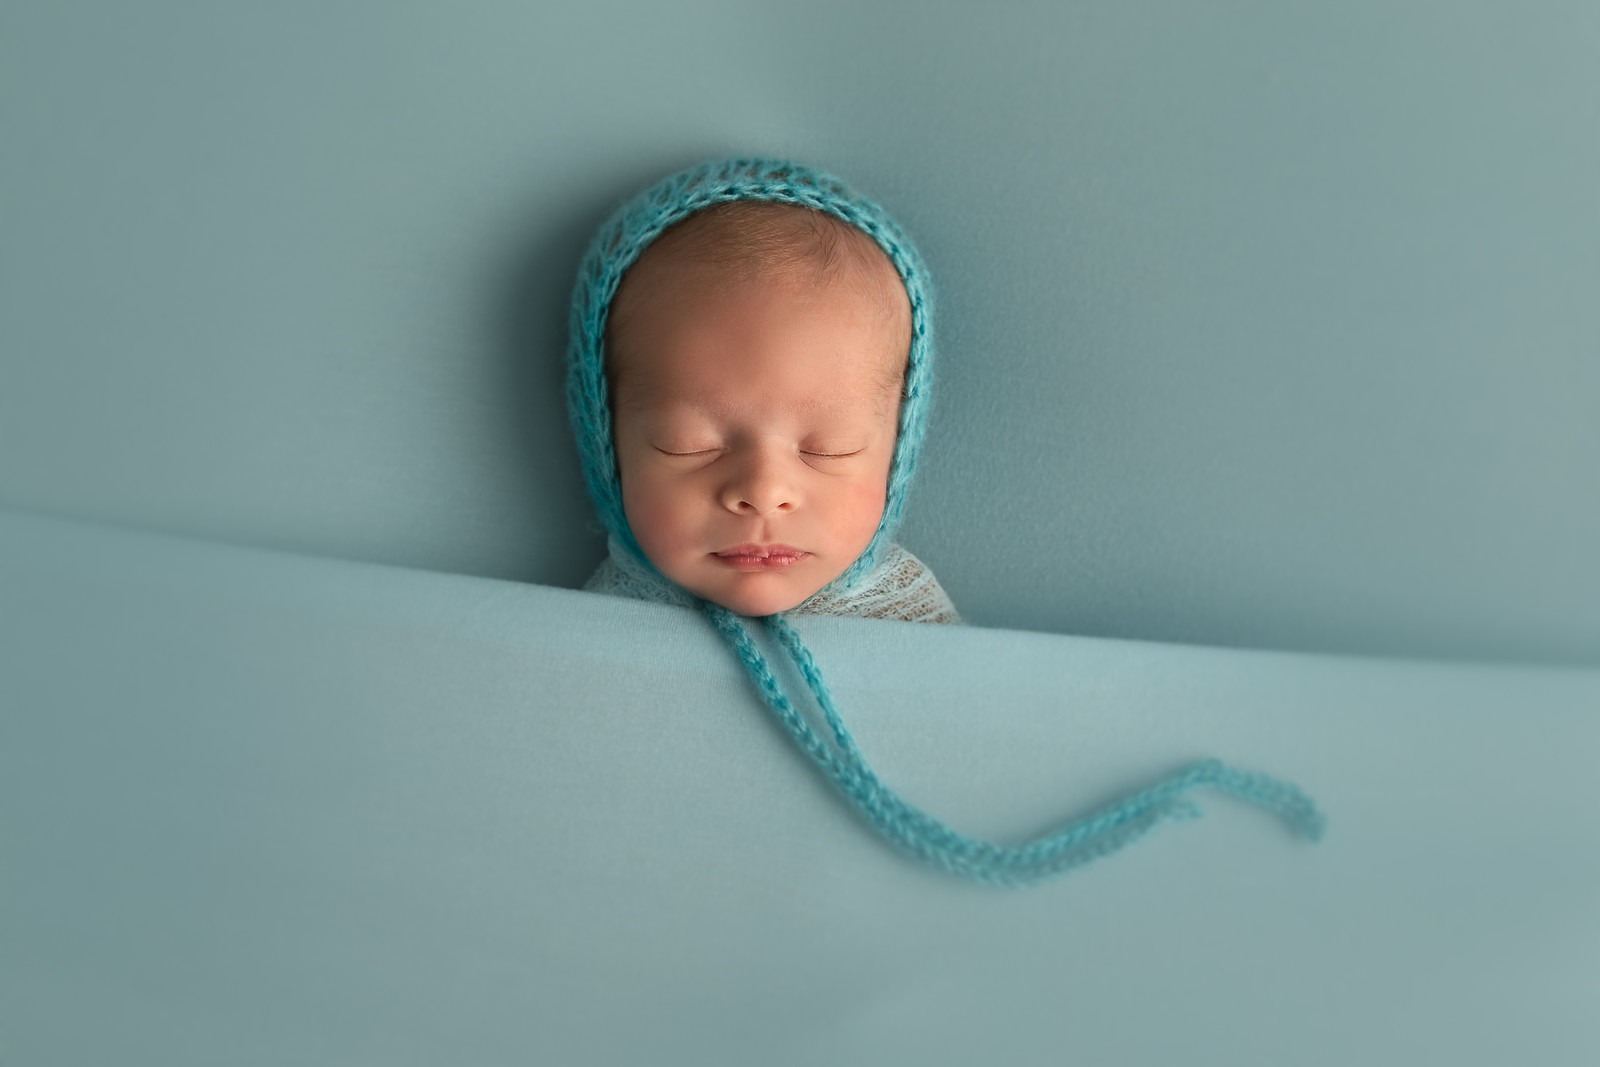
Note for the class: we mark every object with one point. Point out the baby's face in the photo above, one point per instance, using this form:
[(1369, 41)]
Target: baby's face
[(755, 421)]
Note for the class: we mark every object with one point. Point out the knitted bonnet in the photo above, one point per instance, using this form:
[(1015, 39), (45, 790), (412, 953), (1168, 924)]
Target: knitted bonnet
[(623, 238), (620, 241)]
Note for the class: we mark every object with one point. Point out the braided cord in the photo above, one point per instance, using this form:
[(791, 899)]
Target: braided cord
[(1099, 833)]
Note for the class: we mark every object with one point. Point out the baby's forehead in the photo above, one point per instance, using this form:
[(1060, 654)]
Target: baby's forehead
[(754, 253), (765, 240)]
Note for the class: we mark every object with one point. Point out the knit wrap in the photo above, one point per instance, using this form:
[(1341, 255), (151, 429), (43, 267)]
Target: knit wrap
[(900, 587), (629, 231)]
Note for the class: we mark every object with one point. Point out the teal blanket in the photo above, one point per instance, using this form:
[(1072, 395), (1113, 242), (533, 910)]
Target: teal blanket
[(265, 809)]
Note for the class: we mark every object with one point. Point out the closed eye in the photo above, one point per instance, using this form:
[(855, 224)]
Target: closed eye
[(833, 455), (687, 452)]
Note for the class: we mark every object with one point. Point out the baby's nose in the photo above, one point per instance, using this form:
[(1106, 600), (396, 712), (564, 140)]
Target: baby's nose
[(759, 487)]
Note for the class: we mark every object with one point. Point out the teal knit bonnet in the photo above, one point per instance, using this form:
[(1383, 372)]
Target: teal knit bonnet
[(618, 244), (626, 234)]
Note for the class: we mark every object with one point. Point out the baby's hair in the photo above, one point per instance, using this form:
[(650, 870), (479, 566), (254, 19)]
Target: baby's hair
[(759, 239)]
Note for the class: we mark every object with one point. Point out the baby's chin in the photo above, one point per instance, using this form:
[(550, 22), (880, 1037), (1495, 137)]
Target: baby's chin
[(750, 599), (755, 592), (758, 594)]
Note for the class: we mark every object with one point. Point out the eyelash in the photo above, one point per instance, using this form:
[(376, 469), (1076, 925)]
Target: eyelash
[(803, 452)]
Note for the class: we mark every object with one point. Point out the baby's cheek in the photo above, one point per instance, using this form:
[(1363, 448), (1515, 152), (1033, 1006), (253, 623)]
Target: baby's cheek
[(657, 516), (646, 510), (862, 508)]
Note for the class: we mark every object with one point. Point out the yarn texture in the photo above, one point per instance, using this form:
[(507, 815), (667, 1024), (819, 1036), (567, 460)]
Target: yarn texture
[(884, 582), (626, 234), (900, 587)]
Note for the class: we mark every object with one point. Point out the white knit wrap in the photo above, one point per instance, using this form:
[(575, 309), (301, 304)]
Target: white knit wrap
[(899, 586)]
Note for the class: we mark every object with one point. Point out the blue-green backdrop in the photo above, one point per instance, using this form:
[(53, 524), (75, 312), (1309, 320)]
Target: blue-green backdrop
[(1262, 324)]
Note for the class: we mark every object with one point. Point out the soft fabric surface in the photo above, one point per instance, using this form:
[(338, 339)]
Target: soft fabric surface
[(1261, 325), (273, 809)]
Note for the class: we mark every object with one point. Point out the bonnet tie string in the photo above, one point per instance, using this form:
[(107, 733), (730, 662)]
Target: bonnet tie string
[(1089, 837)]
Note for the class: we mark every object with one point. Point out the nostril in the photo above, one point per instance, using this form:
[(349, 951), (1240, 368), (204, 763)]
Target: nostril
[(756, 502)]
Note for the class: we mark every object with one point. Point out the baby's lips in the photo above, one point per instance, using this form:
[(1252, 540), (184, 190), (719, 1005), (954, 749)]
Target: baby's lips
[(751, 550), (756, 558)]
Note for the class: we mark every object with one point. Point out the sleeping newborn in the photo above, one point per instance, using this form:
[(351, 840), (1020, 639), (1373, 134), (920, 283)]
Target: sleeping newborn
[(749, 376), (765, 372), (756, 357)]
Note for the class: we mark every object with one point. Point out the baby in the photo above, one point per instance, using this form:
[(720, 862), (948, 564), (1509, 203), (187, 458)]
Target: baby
[(748, 380), (756, 358)]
